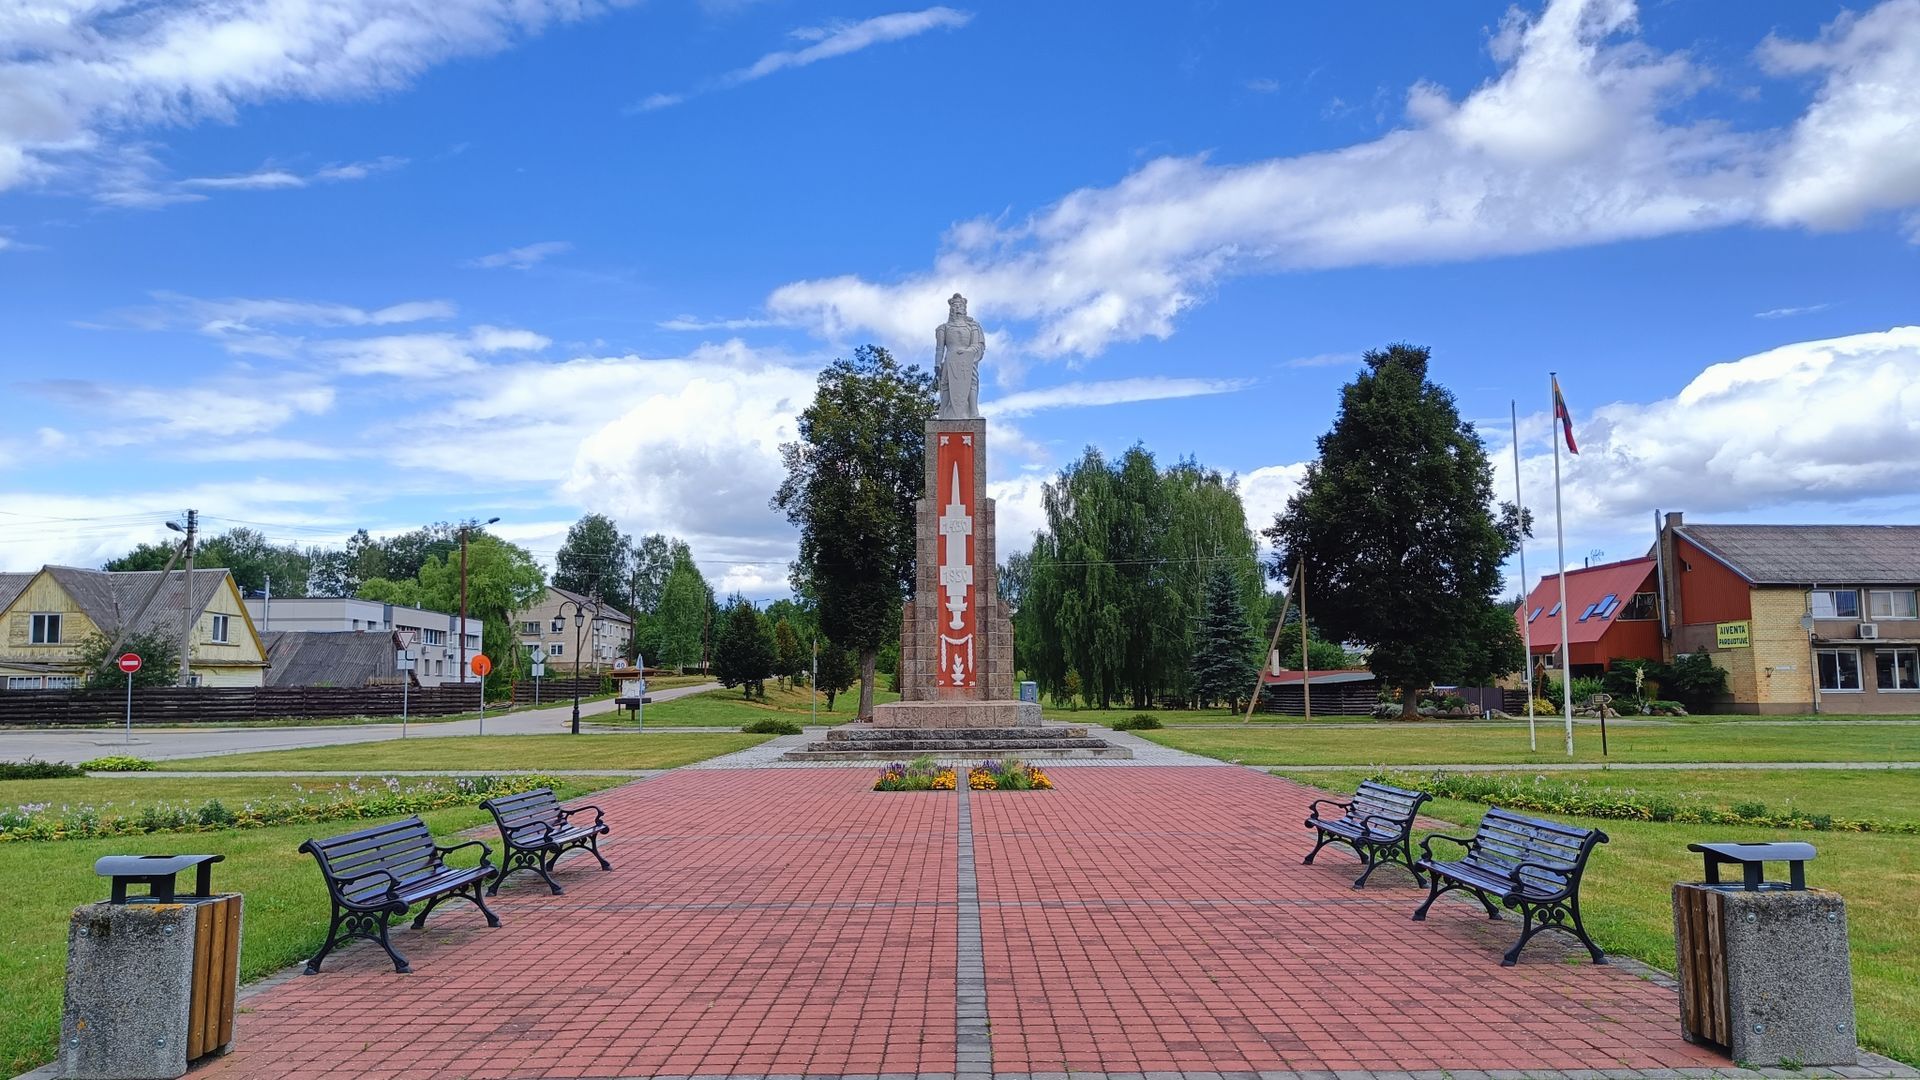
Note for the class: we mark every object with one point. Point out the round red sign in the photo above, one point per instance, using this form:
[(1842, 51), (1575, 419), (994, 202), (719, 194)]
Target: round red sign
[(481, 665), (130, 663)]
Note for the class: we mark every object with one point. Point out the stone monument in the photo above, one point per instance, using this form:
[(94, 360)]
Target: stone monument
[(957, 689)]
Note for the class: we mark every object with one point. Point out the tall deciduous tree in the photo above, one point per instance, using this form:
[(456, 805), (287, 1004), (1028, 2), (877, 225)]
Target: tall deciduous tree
[(1223, 666), (685, 609), (1400, 534), (852, 479), (502, 578), (596, 560), (653, 556), (743, 653)]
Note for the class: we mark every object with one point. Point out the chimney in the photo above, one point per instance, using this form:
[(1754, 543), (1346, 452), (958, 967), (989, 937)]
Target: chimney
[(1670, 571), (1273, 660)]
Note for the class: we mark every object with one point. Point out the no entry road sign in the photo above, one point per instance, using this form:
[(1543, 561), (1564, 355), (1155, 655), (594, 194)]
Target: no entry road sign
[(130, 663)]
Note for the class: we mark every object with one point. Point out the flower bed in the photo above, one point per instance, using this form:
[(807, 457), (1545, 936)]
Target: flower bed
[(920, 774), (383, 798), (1009, 775)]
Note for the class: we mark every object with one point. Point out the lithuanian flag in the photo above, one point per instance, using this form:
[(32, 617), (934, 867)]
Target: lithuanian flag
[(1561, 414)]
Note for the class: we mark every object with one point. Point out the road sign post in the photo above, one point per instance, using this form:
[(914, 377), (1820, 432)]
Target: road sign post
[(481, 666), (129, 663)]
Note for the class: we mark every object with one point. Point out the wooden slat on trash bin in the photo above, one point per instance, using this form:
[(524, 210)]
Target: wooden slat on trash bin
[(203, 922), (229, 972)]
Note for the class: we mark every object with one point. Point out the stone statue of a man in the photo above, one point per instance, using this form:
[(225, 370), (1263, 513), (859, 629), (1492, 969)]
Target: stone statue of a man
[(958, 346)]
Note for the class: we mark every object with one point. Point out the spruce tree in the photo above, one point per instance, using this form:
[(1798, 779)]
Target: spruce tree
[(743, 650), (1224, 648), (1400, 533)]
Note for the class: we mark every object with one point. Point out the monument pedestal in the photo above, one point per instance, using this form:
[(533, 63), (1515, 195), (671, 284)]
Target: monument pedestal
[(957, 691)]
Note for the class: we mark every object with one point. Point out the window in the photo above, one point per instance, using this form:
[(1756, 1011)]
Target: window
[(1641, 606), (1554, 610), (23, 682), (1840, 670), (1535, 615), (1588, 614), (532, 628), (556, 649), (219, 629), (62, 682), (434, 637), (46, 630), (1891, 604), (1836, 604), (1897, 669), (473, 641), (1607, 604)]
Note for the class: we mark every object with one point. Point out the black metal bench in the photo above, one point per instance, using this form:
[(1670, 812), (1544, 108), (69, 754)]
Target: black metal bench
[(1377, 824), (537, 830), (375, 874), (1528, 864)]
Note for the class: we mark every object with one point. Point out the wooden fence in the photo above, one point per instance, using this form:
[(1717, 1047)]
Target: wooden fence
[(553, 691), (1329, 699), (229, 704)]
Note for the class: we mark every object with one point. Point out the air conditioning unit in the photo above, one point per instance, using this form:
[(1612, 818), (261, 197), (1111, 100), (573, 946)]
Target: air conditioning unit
[(1869, 631)]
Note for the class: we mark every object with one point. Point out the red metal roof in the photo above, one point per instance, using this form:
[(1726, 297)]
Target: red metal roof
[(1586, 586)]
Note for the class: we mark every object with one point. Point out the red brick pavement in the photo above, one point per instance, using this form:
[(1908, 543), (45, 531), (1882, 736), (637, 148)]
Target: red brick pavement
[(1158, 919), (791, 921), (768, 922)]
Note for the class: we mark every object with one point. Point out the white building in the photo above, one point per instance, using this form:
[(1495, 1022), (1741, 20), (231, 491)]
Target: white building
[(436, 634)]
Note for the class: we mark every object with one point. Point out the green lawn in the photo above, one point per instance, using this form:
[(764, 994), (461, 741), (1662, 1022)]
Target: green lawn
[(523, 753), (727, 708), (1626, 895), (1415, 745), (286, 905)]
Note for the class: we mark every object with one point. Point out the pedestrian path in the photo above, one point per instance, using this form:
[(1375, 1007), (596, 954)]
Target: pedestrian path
[(1151, 922)]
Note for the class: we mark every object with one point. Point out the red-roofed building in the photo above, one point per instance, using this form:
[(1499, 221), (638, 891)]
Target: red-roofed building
[(1615, 615)]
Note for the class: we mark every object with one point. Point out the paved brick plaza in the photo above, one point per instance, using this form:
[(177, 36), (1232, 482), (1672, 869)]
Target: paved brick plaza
[(781, 922)]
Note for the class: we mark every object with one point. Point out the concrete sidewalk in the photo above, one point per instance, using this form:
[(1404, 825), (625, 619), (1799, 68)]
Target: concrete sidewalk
[(157, 744)]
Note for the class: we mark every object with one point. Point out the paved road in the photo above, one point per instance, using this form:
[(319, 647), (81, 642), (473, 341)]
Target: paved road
[(159, 743)]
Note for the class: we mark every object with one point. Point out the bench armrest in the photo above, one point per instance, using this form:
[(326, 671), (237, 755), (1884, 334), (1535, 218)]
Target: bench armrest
[(598, 816), (1393, 824), (1313, 808), (538, 830), (1426, 844), (393, 886), (1566, 876), (486, 853)]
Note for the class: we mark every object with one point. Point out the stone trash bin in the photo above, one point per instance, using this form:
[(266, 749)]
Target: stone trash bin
[(150, 979), (1764, 971)]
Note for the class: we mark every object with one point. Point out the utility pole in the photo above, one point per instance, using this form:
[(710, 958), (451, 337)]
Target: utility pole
[(189, 615), (1306, 669)]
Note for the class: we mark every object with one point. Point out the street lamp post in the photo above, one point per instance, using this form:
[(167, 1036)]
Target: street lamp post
[(579, 626), (464, 530)]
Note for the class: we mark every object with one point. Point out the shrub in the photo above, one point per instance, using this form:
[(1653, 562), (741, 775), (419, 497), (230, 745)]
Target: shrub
[(37, 770), (771, 727), (1137, 722), (117, 763), (1581, 799), (1694, 680), (386, 798)]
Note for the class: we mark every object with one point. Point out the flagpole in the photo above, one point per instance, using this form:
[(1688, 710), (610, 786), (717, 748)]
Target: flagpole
[(1526, 597), (1560, 539)]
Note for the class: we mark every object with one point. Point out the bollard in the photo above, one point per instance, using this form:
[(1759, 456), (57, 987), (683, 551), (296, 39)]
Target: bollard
[(1763, 964), (150, 979)]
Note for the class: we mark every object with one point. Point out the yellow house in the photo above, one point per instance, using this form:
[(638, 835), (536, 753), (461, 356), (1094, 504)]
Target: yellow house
[(46, 616)]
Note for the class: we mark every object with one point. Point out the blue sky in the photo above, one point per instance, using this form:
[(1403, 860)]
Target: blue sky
[(387, 262)]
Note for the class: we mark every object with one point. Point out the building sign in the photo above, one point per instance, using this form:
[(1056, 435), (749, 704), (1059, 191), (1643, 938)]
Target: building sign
[(953, 492), (1733, 635)]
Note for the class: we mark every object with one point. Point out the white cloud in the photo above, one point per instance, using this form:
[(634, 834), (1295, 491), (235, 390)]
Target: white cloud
[(243, 314), (1570, 144), (78, 79), (1790, 312), (264, 179), (426, 355), (1262, 86), (1110, 392), (521, 258), (1857, 149), (133, 414), (1264, 492), (1332, 359), (827, 42), (689, 322)]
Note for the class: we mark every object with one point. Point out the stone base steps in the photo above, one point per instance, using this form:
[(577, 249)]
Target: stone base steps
[(859, 742)]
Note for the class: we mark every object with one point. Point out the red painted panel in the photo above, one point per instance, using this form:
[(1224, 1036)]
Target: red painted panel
[(1709, 592), (955, 603)]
